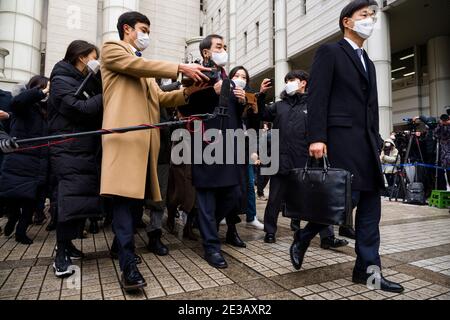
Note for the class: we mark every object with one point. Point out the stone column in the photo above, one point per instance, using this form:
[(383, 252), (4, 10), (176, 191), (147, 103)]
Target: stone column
[(232, 37), (112, 10), (379, 50), (439, 74), (20, 34), (281, 62)]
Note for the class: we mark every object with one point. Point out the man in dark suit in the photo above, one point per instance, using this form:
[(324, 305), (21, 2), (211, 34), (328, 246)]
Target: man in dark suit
[(217, 185), (344, 124)]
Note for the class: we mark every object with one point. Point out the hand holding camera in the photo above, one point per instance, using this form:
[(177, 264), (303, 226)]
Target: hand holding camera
[(4, 115), (194, 72), (266, 85)]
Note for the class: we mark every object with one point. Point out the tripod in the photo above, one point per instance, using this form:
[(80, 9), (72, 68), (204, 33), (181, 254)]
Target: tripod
[(401, 179)]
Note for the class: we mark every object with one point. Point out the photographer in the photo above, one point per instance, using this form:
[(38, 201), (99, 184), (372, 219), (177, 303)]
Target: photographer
[(217, 185), (390, 158), (442, 133)]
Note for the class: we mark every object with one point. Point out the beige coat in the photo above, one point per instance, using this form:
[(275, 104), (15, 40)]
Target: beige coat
[(391, 159), (132, 97)]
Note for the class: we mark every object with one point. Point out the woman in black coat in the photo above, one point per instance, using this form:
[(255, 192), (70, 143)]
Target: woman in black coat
[(75, 164), (24, 178)]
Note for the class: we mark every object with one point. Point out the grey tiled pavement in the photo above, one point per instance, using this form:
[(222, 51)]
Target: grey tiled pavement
[(415, 251)]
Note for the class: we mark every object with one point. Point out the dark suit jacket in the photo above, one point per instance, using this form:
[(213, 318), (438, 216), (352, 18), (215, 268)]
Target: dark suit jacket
[(215, 175), (343, 113)]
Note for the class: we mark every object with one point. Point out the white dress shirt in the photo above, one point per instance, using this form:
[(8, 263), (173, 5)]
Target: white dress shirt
[(355, 47)]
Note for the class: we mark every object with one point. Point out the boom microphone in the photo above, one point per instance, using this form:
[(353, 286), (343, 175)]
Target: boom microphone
[(93, 67)]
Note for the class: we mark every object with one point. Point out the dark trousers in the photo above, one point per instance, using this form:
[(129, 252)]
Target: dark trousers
[(68, 231), (274, 205), (261, 182), (214, 205), (368, 215), (125, 213), (26, 217)]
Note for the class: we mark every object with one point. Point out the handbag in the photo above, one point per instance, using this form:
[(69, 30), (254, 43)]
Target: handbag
[(321, 195)]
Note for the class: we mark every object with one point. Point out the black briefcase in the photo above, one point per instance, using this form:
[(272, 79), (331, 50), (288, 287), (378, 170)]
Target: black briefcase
[(320, 194)]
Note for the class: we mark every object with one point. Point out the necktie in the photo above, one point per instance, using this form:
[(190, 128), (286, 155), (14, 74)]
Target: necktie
[(139, 54), (360, 53)]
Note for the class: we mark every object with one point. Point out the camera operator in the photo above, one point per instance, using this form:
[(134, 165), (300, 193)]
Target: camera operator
[(442, 133), (390, 158)]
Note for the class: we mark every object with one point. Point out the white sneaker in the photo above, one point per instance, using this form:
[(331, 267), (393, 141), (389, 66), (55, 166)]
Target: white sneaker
[(255, 224), (223, 222)]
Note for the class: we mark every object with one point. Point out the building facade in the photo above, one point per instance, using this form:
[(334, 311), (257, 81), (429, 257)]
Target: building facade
[(34, 34), (410, 46)]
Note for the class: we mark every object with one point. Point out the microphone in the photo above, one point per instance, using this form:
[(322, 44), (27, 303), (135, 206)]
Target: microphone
[(93, 68)]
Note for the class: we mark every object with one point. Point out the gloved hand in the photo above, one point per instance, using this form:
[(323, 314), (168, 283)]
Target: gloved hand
[(8, 145)]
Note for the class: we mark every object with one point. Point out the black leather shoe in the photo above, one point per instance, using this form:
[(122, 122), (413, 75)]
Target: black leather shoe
[(270, 238), (297, 251), (234, 240), (333, 242), (295, 225), (93, 227), (347, 232), (216, 260), (23, 239), (155, 245), (132, 279), (384, 284)]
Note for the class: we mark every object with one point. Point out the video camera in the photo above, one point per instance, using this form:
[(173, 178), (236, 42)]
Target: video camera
[(412, 123), (213, 75)]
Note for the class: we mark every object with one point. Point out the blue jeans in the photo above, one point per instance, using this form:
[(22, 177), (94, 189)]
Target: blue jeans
[(251, 197)]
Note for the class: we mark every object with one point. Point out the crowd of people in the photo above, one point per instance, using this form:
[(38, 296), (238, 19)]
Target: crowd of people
[(115, 178)]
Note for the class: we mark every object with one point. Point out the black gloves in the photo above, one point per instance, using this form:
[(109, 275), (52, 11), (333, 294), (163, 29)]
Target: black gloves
[(8, 145)]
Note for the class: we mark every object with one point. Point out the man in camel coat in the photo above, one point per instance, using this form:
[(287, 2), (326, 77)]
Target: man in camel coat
[(132, 97)]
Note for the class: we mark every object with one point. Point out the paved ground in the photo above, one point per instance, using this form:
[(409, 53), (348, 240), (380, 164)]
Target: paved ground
[(415, 251)]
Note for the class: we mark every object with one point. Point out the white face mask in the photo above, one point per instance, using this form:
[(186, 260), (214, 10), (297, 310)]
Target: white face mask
[(364, 28), (240, 83), (143, 41), (292, 88), (221, 59)]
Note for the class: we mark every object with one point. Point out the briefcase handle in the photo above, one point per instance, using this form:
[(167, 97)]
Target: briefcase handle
[(326, 167)]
